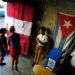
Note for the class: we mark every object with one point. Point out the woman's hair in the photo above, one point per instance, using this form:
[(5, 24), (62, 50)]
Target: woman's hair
[(3, 30), (12, 29), (0, 31), (43, 28), (48, 31)]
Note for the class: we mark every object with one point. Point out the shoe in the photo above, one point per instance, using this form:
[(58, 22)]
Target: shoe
[(33, 64), (12, 68), (16, 68), (2, 64)]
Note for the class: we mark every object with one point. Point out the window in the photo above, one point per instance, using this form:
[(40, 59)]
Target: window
[(2, 8), (2, 13)]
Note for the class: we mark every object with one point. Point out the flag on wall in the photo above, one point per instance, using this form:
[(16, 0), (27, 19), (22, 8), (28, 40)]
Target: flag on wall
[(20, 16), (66, 24), (65, 38)]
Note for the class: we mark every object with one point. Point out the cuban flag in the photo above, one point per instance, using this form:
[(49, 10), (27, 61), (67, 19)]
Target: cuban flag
[(65, 33), (20, 16), (66, 27)]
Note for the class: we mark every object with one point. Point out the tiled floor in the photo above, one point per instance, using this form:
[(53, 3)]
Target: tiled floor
[(24, 66)]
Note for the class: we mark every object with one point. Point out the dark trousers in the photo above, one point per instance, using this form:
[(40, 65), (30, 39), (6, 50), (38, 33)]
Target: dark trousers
[(14, 60)]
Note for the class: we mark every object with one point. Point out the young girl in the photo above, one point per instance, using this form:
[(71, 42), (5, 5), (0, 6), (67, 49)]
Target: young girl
[(14, 47), (41, 40)]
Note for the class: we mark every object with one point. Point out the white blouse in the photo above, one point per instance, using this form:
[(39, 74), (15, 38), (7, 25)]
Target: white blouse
[(42, 38)]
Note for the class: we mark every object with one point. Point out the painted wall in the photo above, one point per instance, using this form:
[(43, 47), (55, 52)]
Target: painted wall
[(52, 7)]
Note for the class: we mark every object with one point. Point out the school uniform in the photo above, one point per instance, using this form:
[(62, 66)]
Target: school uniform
[(14, 48), (40, 47)]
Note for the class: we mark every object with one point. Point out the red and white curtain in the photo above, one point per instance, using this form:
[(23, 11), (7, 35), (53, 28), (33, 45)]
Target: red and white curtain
[(20, 16)]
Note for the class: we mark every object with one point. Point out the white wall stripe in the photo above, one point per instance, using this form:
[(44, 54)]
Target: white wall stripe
[(22, 27), (58, 38)]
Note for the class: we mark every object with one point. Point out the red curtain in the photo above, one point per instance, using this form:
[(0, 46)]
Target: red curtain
[(21, 16)]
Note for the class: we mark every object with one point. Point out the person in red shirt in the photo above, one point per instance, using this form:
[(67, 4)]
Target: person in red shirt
[(14, 47)]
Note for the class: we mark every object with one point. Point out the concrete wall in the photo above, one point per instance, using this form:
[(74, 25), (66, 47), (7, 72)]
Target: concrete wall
[(51, 8)]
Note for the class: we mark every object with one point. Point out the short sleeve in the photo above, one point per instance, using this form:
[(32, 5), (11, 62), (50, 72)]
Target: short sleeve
[(45, 39)]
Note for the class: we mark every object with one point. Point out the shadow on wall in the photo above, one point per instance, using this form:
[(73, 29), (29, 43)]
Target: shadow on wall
[(38, 15)]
